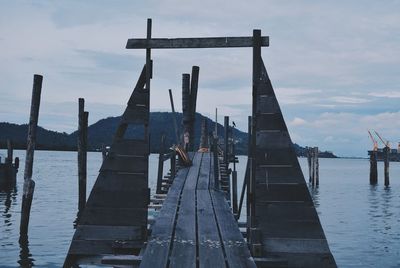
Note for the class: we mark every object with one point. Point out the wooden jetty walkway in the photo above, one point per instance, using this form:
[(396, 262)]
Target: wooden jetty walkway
[(197, 225)]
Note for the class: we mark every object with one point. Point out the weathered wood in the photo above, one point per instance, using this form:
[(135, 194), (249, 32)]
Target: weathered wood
[(9, 152), (113, 216), (194, 83), (237, 253), (234, 193), (29, 184), (157, 250), (171, 99), (98, 232), (210, 248), (386, 161), (82, 155), (373, 172), (186, 116), (160, 164), (202, 42), (97, 247), (183, 253), (226, 139), (122, 260), (204, 176)]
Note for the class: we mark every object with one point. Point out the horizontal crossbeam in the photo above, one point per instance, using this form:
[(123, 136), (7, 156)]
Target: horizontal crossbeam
[(202, 42)]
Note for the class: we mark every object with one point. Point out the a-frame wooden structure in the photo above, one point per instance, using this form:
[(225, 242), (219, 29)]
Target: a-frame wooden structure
[(115, 217)]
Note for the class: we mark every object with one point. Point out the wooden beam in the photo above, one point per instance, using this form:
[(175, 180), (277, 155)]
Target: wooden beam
[(202, 42)]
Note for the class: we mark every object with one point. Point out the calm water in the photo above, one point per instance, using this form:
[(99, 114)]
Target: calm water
[(362, 223)]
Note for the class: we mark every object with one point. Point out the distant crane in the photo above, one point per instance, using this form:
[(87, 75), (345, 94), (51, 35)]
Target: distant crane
[(374, 141), (386, 143)]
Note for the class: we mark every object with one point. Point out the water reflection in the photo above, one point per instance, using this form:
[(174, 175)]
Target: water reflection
[(25, 257), (314, 191)]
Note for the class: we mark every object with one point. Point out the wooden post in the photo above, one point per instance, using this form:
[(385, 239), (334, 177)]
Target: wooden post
[(194, 83), (215, 152), (173, 164), (216, 123), (186, 110), (226, 138), (234, 193), (82, 154), (171, 99), (29, 184), (9, 152), (256, 80), (103, 151), (309, 152), (386, 152), (160, 165), (248, 175), (316, 166), (373, 170), (204, 134)]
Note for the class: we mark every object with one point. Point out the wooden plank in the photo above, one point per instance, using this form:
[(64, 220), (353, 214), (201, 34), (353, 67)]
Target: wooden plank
[(183, 252), (122, 198), (279, 175), (272, 140), (204, 175), (114, 216), (115, 181), (99, 232), (236, 250), (125, 163), (270, 121), (121, 260), (202, 42), (210, 248), (157, 250), (128, 147), (274, 192), (96, 247), (192, 178)]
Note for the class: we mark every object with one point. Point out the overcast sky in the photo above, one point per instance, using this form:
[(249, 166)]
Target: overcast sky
[(335, 65)]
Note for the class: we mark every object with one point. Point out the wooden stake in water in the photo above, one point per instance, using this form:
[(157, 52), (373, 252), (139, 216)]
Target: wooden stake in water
[(373, 171), (29, 184), (386, 152)]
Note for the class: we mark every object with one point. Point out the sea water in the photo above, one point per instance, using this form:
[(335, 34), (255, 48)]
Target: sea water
[(361, 222)]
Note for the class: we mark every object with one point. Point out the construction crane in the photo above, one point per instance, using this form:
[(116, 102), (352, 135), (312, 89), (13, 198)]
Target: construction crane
[(374, 141), (386, 143)]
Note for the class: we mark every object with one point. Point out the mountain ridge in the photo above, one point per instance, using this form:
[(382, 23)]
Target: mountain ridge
[(103, 130)]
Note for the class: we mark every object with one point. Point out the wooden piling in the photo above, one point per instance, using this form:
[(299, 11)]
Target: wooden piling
[(82, 154), (173, 164), (29, 184), (160, 165), (194, 83), (309, 164), (234, 193), (226, 138), (171, 99), (186, 110), (386, 161), (316, 155), (103, 151), (9, 152), (373, 170)]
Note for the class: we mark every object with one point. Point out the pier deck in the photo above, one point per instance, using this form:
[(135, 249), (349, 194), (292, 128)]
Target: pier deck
[(196, 224)]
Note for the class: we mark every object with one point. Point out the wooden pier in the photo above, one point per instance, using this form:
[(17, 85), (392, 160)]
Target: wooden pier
[(197, 223)]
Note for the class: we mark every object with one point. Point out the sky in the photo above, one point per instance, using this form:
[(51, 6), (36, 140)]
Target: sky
[(334, 65)]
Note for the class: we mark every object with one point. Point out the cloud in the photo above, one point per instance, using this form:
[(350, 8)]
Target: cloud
[(297, 121), (385, 94), (349, 100)]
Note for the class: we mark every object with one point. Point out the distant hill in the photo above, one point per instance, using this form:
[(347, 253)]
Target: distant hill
[(103, 130)]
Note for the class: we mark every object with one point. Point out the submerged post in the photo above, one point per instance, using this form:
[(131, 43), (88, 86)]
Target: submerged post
[(82, 154), (373, 170), (160, 165), (29, 184), (386, 152)]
